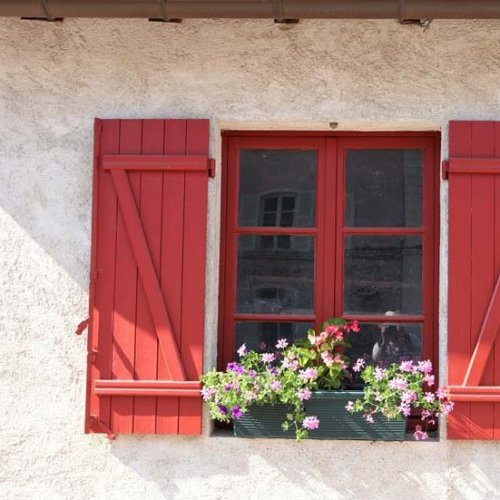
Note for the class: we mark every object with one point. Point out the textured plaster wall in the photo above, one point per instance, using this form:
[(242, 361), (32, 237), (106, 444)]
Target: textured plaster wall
[(54, 79)]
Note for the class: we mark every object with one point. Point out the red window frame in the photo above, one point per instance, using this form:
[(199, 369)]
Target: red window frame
[(328, 299)]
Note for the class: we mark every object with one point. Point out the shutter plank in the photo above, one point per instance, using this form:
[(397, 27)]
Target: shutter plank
[(101, 326), (146, 339), (193, 283), (167, 418), (125, 291), (496, 351), (483, 261), (459, 285)]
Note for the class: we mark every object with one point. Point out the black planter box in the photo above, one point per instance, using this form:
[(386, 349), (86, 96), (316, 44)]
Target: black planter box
[(335, 421)]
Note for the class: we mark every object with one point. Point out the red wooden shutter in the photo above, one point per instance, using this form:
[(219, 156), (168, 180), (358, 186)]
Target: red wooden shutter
[(474, 280), (147, 288)]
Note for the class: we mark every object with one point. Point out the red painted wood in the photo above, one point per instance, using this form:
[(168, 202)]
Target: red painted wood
[(125, 289), (496, 351), (167, 418), (163, 326), (171, 163), (140, 273), (193, 282), (104, 212), (146, 342), (459, 280), (475, 165), (483, 262), (486, 341)]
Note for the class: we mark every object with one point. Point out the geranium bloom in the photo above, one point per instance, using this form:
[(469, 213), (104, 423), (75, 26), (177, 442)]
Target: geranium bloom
[(235, 367), (442, 392), (369, 418), (236, 412), (399, 384), (327, 358), (252, 373), (360, 363), (222, 409), (310, 423), (349, 406), (419, 434), (379, 373), (268, 357), (430, 397), (304, 394), (353, 327), (408, 397), (276, 385), (426, 414), (406, 366), (447, 407), (207, 393), (308, 374), (405, 409), (242, 350), (250, 396), (332, 329), (313, 339), (282, 344), (292, 365), (425, 366), (429, 379)]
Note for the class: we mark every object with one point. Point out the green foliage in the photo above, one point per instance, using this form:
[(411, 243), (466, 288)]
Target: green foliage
[(286, 377)]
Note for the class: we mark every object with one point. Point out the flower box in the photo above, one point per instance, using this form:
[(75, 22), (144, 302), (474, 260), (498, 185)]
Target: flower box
[(335, 421)]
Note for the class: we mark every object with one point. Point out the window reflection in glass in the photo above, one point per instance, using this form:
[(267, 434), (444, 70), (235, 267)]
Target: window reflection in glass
[(275, 280), (386, 343), (383, 273), (263, 336), (384, 188), (277, 187)]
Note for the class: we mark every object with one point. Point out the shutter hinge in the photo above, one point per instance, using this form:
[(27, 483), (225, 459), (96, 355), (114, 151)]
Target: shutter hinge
[(211, 168), (445, 169), (82, 326), (98, 426)]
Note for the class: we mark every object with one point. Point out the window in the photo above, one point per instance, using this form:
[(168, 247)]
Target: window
[(316, 227)]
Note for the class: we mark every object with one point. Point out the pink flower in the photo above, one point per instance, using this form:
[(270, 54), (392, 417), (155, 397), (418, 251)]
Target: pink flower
[(282, 344), (430, 397), (419, 434), (242, 350), (304, 394), (207, 393), (426, 414), (378, 396), (276, 385), (308, 374), (268, 357), (429, 379), (369, 418), (250, 396), (425, 366), (379, 373), (406, 366), (327, 358), (339, 336), (313, 339), (332, 329), (405, 409), (310, 423), (442, 393), (360, 363), (408, 397), (353, 327), (399, 384), (349, 406), (447, 408), (291, 365)]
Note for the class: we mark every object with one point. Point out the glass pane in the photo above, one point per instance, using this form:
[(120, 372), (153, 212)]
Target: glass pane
[(275, 274), (277, 187), (263, 336), (384, 188), (386, 343), (383, 273)]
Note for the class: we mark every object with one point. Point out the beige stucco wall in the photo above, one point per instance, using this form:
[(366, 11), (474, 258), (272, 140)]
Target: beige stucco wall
[(54, 79)]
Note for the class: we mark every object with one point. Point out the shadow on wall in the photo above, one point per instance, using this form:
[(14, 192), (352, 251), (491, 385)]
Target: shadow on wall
[(216, 467)]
